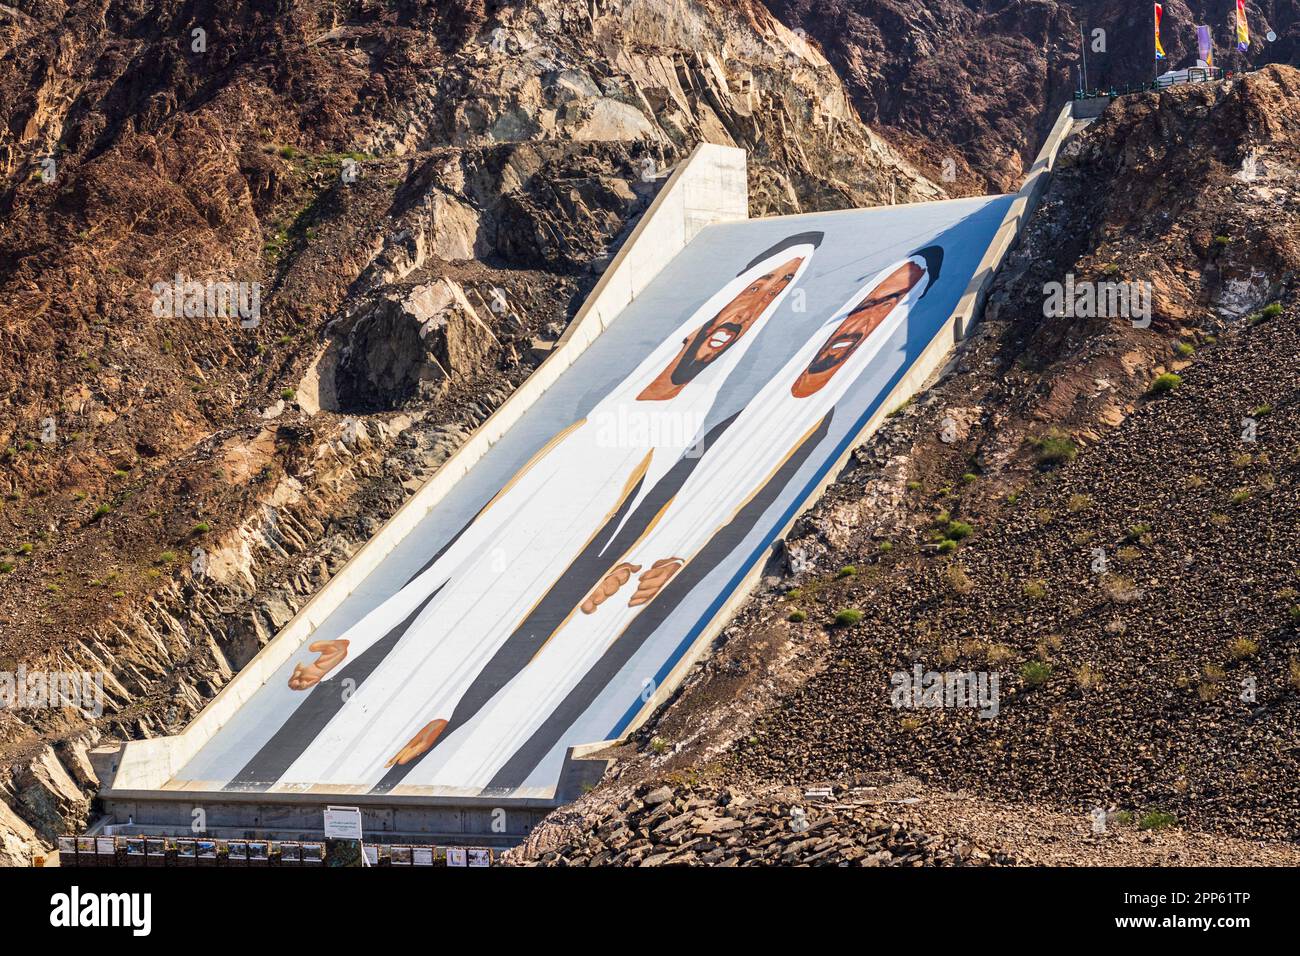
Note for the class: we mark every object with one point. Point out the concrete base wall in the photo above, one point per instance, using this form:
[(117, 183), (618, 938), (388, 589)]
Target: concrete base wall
[(710, 186), (385, 818), (478, 824)]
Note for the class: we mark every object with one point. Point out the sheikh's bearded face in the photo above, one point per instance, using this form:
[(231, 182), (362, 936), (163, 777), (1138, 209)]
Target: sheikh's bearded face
[(711, 340), (856, 328)]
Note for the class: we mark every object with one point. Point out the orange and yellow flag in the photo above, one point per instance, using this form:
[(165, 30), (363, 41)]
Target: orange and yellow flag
[(1160, 50)]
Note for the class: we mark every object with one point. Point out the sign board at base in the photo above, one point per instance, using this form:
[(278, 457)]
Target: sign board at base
[(343, 823)]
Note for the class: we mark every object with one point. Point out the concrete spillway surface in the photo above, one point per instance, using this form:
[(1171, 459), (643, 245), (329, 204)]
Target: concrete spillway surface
[(542, 601)]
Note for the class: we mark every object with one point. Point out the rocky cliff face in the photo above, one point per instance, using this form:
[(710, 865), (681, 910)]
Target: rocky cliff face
[(969, 89), (263, 266)]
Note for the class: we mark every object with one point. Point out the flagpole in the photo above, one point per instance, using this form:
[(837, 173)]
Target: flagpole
[(1155, 47), (1083, 48)]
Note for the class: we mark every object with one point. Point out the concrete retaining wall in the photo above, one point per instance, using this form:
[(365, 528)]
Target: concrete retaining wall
[(710, 186), (1090, 108)]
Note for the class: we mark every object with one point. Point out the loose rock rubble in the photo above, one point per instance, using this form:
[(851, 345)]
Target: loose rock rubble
[(665, 825)]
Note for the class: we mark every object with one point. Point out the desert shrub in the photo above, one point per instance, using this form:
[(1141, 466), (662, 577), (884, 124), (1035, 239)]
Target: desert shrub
[(1137, 532), (1157, 820), (1087, 677), (959, 530), (1054, 448), (1241, 648), (1035, 673), (1165, 383), (999, 654), (959, 579)]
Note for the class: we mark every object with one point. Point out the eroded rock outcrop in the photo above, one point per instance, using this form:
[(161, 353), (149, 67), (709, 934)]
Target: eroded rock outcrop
[(409, 345)]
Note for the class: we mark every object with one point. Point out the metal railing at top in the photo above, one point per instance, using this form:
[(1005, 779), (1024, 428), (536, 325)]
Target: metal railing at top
[(1192, 75)]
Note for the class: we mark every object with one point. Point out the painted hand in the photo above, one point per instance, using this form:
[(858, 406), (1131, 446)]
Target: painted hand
[(331, 654), (652, 581), (616, 578), (419, 744)]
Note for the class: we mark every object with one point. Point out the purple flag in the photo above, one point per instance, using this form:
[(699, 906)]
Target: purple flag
[(1204, 45)]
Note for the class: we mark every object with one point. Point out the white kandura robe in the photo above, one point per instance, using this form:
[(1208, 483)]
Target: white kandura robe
[(767, 432), (504, 563)]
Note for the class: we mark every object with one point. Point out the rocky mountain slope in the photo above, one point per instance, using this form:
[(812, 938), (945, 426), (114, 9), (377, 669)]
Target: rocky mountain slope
[(1099, 511), (423, 192), (969, 89), (409, 200)]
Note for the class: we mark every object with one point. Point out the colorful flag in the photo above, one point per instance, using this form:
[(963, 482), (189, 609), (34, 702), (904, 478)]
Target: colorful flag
[(1205, 45), (1243, 30), (1160, 50)]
